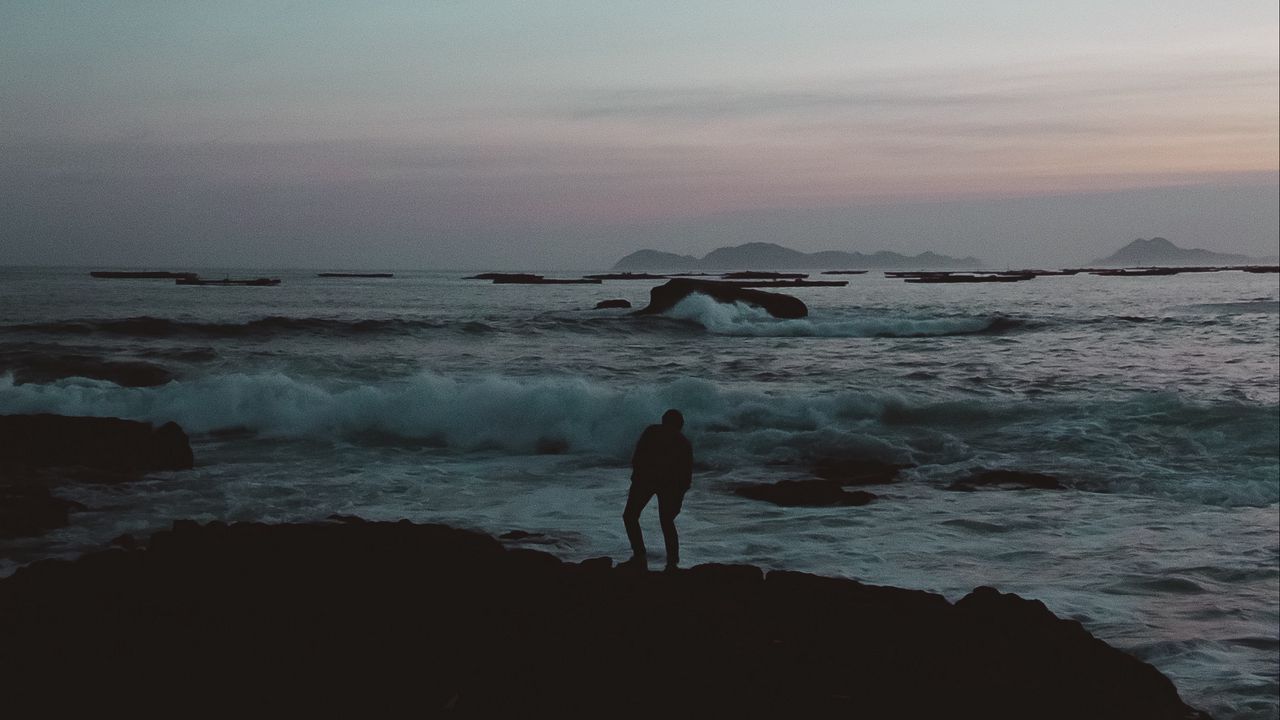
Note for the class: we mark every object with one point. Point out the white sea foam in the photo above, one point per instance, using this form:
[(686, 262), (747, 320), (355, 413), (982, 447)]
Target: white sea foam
[(1223, 453), (741, 319)]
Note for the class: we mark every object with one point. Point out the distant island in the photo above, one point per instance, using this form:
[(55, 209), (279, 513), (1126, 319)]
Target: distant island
[(759, 255), (1159, 251)]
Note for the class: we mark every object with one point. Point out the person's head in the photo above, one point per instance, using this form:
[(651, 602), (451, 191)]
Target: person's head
[(672, 419)]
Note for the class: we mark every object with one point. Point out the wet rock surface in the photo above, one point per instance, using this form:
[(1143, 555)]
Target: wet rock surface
[(381, 617), (610, 304), (102, 443), (44, 366), (28, 508), (666, 296), (40, 453)]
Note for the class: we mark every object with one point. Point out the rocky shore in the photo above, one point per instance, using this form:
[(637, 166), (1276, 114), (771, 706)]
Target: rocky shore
[(400, 618), (41, 453)]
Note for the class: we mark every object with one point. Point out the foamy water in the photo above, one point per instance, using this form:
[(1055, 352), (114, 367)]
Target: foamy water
[(1154, 400)]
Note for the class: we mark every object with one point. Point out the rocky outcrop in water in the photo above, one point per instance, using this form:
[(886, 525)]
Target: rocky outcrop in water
[(43, 366), (504, 276), (39, 453), (124, 446), (387, 618), (610, 304), (666, 296)]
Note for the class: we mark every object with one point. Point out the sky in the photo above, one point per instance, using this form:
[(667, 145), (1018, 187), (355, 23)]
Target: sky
[(507, 134)]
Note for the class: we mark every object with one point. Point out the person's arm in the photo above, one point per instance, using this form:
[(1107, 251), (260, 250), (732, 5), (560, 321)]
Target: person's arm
[(641, 456), (686, 463)]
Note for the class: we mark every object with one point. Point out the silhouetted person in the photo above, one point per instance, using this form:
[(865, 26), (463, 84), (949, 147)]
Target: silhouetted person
[(662, 465)]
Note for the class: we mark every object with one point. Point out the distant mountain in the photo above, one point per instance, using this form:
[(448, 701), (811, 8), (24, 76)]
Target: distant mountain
[(1158, 251), (656, 260), (770, 256), (754, 256)]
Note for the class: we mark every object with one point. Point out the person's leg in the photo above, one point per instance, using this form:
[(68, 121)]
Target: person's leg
[(669, 504), (637, 498)]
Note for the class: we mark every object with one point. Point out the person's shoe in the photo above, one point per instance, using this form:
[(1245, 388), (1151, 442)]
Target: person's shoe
[(637, 562)]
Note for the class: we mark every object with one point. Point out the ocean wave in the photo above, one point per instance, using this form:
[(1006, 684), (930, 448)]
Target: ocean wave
[(694, 314), (1222, 453), (156, 327), (696, 311), (1261, 306), (745, 320)]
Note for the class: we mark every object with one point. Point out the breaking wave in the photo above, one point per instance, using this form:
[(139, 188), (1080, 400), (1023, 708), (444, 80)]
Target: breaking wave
[(695, 312), (1222, 453), (741, 319)]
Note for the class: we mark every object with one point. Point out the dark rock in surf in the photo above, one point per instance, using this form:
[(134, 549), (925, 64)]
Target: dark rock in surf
[(1043, 642), (342, 518), (804, 493), (597, 565), (666, 296), (44, 367), (28, 508), (858, 471), (539, 280), (530, 279), (608, 304), (786, 283), (524, 537), (124, 446), (428, 617), (521, 535), (1014, 479)]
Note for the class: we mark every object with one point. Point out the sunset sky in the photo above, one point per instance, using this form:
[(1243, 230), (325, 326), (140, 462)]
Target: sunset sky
[(464, 134)]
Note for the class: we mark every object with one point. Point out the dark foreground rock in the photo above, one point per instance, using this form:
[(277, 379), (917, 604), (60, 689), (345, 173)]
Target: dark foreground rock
[(30, 509), (400, 619), (666, 296), (607, 304), (1016, 479), (113, 444), (804, 493)]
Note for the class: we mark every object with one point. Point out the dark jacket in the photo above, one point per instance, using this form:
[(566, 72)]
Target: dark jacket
[(663, 459)]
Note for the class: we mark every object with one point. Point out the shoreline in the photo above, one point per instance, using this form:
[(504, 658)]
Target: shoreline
[(447, 621)]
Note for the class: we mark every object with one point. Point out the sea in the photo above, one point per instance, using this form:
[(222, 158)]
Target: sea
[(504, 408)]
